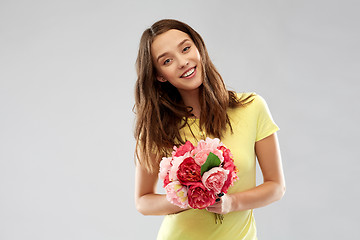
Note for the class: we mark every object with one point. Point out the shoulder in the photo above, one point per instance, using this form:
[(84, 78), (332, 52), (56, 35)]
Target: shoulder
[(253, 114), (250, 99), (250, 105)]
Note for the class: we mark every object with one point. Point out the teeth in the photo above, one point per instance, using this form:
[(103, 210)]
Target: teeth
[(188, 73)]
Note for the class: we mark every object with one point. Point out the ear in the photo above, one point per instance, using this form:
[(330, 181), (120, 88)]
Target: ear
[(161, 79)]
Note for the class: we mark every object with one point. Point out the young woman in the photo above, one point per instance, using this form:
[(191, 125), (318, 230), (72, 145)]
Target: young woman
[(179, 96)]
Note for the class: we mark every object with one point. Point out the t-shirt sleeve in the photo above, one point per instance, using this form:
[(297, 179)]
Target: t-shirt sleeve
[(265, 123)]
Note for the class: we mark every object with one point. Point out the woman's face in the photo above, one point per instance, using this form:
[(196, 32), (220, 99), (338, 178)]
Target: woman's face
[(177, 60)]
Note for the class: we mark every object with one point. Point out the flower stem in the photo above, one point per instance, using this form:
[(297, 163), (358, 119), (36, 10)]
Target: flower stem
[(219, 218)]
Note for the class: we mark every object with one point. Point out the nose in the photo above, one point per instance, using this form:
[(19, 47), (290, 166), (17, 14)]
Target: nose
[(183, 62)]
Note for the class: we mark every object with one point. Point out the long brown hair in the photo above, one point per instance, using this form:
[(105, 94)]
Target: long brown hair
[(159, 107)]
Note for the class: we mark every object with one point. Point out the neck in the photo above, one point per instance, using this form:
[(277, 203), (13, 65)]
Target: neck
[(191, 99)]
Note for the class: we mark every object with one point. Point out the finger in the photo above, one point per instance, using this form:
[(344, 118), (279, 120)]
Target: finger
[(214, 210), (215, 205), (210, 208)]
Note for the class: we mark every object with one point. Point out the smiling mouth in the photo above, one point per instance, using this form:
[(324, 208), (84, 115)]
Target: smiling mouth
[(188, 73)]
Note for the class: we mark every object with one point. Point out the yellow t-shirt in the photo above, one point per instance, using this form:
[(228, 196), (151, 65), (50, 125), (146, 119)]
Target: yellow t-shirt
[(250, 124)]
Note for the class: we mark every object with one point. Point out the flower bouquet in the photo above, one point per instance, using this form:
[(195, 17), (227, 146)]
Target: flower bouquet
[(196, 176)]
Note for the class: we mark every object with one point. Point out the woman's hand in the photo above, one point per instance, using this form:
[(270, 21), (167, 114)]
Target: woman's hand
[(223, 205), (272, 189), (147, 201)]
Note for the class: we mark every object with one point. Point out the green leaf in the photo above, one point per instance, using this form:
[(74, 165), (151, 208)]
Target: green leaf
[(211, 161)]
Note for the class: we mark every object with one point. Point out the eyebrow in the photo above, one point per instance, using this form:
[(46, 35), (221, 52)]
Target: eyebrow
[(181, 43)]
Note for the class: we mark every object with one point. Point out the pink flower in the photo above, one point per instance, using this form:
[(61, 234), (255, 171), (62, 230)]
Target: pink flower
[(201, 156), (177, 194), (215, 178), (180, 151), (203, 149), (165, 166), (208, 144), (199, 196), (189, 172)]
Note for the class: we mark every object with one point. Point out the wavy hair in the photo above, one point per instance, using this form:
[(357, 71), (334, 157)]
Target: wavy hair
[(159, 107)]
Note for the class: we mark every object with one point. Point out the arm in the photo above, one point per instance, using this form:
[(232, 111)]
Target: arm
[(146, 200), (268, 154)]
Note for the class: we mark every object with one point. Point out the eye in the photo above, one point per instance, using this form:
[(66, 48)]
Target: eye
[(167, 61), (186, 49)]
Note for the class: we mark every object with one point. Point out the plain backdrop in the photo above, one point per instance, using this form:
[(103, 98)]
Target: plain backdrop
[(66, 123)]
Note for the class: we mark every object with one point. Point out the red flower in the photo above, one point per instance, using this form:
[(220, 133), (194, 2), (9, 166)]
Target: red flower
[(232, 177), (199, 197), (166, 180), (187, 147), (226, 153), (189, 172), (228, 164)]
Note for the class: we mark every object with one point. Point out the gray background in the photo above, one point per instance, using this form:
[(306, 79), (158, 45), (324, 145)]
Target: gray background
[(66, 95)]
